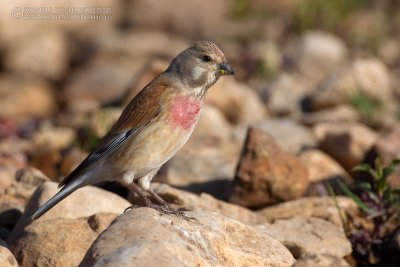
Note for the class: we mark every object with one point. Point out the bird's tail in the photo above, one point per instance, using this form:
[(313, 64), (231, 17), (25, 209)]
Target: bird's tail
[(63, 193)]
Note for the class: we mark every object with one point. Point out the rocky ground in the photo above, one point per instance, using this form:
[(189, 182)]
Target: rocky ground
[(309, 102)]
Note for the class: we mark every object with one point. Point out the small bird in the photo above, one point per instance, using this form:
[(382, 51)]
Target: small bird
[(152, 128)]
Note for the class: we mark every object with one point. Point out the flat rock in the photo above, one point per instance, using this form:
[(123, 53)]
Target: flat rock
[(291, 136), (321, 260), (56, 138), (105, 79), (242, 105), (362, 76), (142, 237), (59, 241), (337, 114), (22, 54), (319, 207), (7, 259), (266, 174), (86, 201), (322, 167), (318, 53), (26, 98), (24, 182), (309, 236), (286, 93), (370, 74), (347, 143)]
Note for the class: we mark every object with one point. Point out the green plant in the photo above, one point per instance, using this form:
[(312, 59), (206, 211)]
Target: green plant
[(365, 105), (87, 138), (380, 205), (241, 9), (323, 14)]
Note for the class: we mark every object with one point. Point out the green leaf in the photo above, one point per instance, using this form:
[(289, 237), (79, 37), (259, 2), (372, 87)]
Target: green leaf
[(382, 186), (343, 217), (378, 168), (364, 186), (355, 198), (366, 168), (362, 168), (391, 168)]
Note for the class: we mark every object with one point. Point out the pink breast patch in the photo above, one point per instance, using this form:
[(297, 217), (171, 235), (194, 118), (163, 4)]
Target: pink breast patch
[(184, 111)]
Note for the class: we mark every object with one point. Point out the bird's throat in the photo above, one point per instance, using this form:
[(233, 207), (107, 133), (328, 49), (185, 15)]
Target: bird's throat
[(185, 111)]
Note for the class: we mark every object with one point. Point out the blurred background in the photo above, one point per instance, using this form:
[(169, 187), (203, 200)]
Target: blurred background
[(319, 76)]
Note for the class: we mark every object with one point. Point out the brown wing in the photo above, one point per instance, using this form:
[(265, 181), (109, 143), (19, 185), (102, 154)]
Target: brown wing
[(143, 108)]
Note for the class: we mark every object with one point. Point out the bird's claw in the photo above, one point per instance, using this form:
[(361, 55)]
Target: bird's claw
[(131, 208), (167, 209)]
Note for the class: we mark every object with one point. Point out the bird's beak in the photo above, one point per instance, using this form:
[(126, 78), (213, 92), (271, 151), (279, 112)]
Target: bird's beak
[(225, 69)]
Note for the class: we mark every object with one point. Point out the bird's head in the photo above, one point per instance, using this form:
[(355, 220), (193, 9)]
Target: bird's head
[(200, 65)]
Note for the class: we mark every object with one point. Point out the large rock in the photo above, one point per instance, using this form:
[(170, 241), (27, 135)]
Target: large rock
[(125, 64), (346, 143), (14, 196), (320, 260), (60, 241), (290, 135), (56, 138), (142, 237), (266, 174), (363, 76), (322, 167), (309, 236), (338, 114), (389, 51), (86, 201), (10, 161), (24, 182), (286, 93), (25, 98), (371, 74), (106, 78), (319, 53), (239, 103), (175, 15), (22, 54), (10, 211), (17, 183), (7, 259), (319, 207)]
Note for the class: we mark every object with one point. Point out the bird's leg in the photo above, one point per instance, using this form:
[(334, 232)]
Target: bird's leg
[(148, 203), (163, 206), (138, 191), (168, 207), (158, 198)]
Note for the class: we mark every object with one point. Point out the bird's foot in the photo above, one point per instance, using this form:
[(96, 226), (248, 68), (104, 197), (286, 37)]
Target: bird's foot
[(167, 209), (162, 206)]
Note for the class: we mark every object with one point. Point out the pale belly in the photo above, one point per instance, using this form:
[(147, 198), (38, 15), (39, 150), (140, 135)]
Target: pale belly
[(151, 148)]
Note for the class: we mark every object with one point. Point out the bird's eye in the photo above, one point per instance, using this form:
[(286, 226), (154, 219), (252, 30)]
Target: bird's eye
[(206, 58)]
